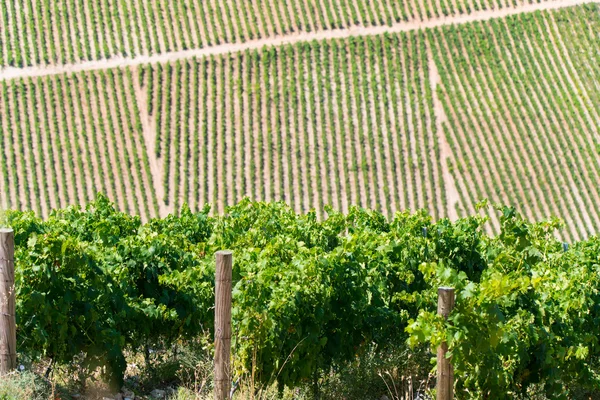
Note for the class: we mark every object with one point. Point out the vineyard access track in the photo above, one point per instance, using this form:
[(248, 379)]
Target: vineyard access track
[(116, 62)]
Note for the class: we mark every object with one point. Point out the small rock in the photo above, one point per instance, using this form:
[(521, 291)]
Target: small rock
[(170, 390), (118, 396), (384, 397), (158, 394)]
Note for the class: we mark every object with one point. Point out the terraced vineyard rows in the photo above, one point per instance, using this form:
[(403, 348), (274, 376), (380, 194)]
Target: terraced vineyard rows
[(280, 115), (75, 30), (522, 97), (505, 109), (70, 137)]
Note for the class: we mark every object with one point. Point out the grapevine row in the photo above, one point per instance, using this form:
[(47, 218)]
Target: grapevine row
[(271, 125), (65, 138), (76, 30)]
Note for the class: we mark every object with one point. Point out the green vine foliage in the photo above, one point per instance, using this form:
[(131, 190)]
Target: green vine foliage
[(310, 294)]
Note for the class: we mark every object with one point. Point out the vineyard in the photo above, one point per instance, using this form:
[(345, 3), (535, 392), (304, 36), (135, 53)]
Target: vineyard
[(354, 156), (68, 137), (521, 98), (277, 118), (100, 283), (504, 109), (187, 128), (42, 32)]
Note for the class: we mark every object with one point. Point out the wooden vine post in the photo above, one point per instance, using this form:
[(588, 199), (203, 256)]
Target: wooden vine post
[(8, 328), (445, 371), (224, 263)]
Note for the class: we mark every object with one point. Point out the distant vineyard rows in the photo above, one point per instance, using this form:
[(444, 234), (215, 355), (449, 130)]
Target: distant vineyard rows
[(38, 32), (522, 99), (278, 116), (506, 109)]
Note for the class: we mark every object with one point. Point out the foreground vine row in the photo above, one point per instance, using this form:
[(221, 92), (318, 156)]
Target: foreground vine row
[(310, 295)]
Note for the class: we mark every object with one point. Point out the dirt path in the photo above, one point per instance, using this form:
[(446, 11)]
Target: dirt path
[(149, 134), (119, 61)]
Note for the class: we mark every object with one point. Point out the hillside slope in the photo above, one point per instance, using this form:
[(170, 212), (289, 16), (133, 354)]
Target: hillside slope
[(506, 109), (37, 32)]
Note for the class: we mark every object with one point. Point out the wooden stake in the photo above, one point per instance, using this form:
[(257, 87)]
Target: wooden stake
[(224, 265), (445, 371), (8, 327)]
